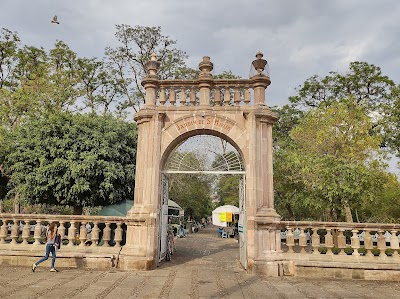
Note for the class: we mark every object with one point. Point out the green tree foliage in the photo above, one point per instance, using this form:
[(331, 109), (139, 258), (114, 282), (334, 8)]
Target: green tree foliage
[(334, 159), (392, 128), (127, 61), (386, 208), (288, 119), (330, 157), (363, 81), (76, 160), (228, 189), (192, 193)]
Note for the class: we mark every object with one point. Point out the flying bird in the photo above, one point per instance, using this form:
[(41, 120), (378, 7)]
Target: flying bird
[(54, 20)]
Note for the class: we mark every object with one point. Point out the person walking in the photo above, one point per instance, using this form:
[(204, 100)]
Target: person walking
[(51, 233)]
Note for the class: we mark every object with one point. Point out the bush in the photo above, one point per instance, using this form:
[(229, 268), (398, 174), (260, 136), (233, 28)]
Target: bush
[(362, 251), (349, 250)]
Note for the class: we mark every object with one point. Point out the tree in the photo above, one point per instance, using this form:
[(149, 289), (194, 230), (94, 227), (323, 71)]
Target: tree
[(127, 61), (76, 160), (392, 128), (364, 82), (9, 43), (386, 208), (339, 159), (228, 189), (288, 118)]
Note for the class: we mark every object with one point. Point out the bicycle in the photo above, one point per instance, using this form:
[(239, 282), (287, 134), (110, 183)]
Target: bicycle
[(170, 244)]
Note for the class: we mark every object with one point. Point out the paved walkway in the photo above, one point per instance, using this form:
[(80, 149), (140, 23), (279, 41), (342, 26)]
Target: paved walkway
[(203, 266)]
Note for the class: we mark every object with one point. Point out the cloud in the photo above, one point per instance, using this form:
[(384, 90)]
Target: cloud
[(299, 38)]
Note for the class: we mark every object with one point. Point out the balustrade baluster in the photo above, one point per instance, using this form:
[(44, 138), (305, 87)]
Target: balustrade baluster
[(315, 241), (278, 241), (107, 235), (182, 96), (26, 232), (162, 96), (217, 96), (236, 96), (302, 241), (38, 232), (82, 234), (341, 241), (71, 234), (172, 96), (61, 229), (355, 242), (3, 232), (290, 240), (192, 96), (95, 234), (329, 241), (227, 96), (394, 243), (368, 244), (14, 232), (118, 235), (381, 243), (246, 96)]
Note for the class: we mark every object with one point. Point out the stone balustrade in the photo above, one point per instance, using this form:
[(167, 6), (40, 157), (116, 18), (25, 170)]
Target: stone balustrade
[(219, 92), (75, 230), (205, 91), (339, 238)]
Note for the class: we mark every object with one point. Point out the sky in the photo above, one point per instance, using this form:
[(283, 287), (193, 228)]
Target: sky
[(298, 38)]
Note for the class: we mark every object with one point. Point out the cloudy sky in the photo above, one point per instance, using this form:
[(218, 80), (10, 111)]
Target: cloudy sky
[(298, 38)]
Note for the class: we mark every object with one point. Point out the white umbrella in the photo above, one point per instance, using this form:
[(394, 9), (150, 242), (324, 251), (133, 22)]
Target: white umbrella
[(223, 209)]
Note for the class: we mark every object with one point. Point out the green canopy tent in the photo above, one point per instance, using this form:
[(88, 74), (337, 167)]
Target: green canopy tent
[(122, 207)]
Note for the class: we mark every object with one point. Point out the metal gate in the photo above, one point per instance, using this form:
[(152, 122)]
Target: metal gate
[(162, 232), (242, 223), (208, 155)]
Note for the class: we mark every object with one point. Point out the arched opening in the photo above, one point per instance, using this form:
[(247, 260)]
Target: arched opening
[(201, 171)]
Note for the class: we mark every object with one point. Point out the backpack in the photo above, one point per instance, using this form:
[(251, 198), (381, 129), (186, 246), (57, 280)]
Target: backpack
[(57, 241)]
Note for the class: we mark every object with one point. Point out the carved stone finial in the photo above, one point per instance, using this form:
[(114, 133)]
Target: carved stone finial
[(259, 64), (152, 65), (206, 66)]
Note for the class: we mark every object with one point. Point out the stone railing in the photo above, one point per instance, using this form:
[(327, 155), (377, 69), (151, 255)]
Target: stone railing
[(78, 231), (339, 238), (184, 93), (205, 91)]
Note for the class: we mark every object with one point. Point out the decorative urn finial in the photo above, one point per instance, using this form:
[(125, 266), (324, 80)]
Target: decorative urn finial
[(259, 64), (152, 65), (206, 66)]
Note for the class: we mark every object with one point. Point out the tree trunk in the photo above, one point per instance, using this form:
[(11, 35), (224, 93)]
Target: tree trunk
[(290, 211), (16, 204), (1, 206), (347, 211), (78, 210), (349, 217)]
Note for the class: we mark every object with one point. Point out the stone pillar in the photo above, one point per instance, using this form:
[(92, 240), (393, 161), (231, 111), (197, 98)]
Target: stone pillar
[(262, 219), (150, 82), (142, 226), (260, 81), (141, 249), (205, 81)]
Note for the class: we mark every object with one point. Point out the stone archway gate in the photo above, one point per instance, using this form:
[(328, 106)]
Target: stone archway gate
[(174, 110)]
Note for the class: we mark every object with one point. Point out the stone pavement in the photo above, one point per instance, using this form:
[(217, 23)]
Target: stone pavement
[(203, 266)]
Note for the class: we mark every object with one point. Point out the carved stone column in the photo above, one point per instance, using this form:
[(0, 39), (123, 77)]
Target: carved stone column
[(140, 251), (205, 80), (262, 219)]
